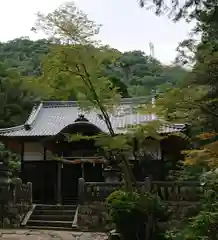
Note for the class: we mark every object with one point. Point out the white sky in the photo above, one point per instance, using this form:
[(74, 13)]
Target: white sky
[(125, 25)]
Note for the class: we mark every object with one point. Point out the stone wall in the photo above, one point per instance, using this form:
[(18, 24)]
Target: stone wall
[(92, 216), (13, 214), (15, 201)]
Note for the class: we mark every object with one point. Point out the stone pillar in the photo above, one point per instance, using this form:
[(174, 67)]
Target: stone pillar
[(81, 190)]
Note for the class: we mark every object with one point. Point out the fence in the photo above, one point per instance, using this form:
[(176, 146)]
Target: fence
[(15, 200), (169, 191), (180, 196), (16, 193)]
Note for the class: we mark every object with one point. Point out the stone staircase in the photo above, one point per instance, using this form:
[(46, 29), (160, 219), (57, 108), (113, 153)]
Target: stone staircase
[(69, 200), (53, 217)]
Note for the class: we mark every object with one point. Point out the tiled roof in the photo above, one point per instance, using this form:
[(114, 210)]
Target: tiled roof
[(50, 117)]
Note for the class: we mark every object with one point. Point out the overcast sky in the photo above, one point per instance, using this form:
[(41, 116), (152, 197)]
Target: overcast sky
[(125, 25)]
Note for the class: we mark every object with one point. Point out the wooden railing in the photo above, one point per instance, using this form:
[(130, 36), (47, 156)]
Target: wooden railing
[(16, 193), (167, 190)]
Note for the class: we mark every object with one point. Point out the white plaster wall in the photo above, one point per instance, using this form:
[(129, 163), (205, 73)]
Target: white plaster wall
[(48, 155), (33, 151)]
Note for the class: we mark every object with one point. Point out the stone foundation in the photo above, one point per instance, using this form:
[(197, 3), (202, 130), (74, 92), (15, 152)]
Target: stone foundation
[(12, 215), (93, 217), (181, 210)]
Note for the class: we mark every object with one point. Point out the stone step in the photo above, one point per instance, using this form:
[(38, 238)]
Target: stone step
[(74, 228), (70, 202), (54, 224), (53, 212), (53, 217), (56, 207)]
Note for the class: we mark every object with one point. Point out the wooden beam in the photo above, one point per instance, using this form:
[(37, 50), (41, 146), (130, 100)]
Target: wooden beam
[(82, 159)]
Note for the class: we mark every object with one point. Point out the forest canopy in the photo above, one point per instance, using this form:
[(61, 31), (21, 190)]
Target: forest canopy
[(133, 72)]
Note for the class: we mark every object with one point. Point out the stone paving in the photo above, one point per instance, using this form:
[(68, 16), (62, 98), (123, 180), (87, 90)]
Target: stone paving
[(49, 235)]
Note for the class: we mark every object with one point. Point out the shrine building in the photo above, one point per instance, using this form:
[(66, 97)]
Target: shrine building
[(54, 165)]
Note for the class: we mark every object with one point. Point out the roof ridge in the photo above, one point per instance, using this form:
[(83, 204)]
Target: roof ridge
[(15, 128), (29, 122), (55, 103), (32, 117)]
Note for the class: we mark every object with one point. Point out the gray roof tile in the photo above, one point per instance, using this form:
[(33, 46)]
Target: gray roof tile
[(49, 118)]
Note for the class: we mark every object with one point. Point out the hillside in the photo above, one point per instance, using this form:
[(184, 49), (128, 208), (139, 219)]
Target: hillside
[(134, 73)]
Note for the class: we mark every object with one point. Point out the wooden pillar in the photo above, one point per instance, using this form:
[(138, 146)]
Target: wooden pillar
[(22, 170), (59, 182), (44, 186), (82, 170), (44, 154)]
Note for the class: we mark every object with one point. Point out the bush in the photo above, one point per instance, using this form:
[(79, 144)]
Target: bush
[(204, 224), (131, 212)]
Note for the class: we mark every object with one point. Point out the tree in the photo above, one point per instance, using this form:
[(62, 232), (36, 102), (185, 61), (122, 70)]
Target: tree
[(23, 55), (143, 74), (196, 99), (200, 109), (67, 25), (16, 101), (177, 9), (203, 223), (13, 161), (16, 104), (77, 65)]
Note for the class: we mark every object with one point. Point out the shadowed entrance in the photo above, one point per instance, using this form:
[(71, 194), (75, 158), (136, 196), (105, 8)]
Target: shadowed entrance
[(74, 159)]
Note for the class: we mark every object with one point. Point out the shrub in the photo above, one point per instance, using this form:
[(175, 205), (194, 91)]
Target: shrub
[(131, 212), (204, 224)]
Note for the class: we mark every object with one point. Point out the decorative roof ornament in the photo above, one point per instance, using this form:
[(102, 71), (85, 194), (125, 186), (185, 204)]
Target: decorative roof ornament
[(27, 126), (81, 118)]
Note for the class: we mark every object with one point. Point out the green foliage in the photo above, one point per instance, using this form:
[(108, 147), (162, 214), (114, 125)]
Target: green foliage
[(175, 9), (130, 212), (195, 100), (67, 24), (16, 104), (68, 70), (204, 224), (12, 159), (144, 74), (78, 66), (16, 101), (24, 55)]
